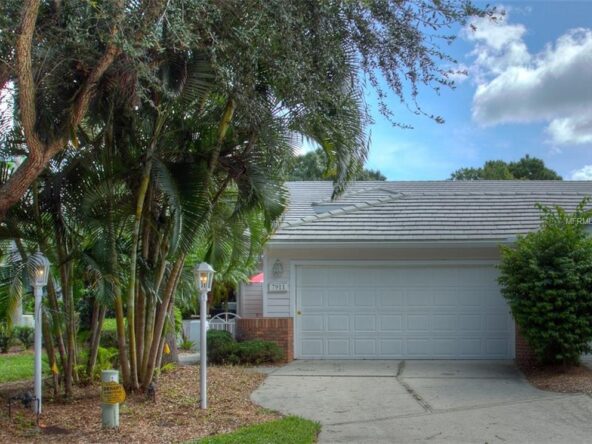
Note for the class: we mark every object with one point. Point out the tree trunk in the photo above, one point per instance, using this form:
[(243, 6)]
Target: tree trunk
[(131, 322), (95, 339), (51, 357), (57, 320), (160, 319), (118, 304)]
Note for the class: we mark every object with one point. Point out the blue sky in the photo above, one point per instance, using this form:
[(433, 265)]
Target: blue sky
[(529, 90)]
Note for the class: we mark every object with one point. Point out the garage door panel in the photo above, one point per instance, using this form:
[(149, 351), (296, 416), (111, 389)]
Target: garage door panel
[(313, 323), (496, 346), (365, 298), (442, 323), (388, 298), (390, 323), (338, 323), (338, 347), (496, 323), (313, 278), (417, 312), (337, 297), (365, 347), (419, 347), (470, 322), (419, 297), (470, 347), (312, 347), (314, 297), (445, 347), (445, 298), (418, 323), (365, 323)]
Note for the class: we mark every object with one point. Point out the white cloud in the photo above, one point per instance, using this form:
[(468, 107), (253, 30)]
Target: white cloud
[(575, 129), (498, 45), (515, 86), (584, 173)]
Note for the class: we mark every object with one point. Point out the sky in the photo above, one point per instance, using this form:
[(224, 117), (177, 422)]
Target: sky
[(528, 91)]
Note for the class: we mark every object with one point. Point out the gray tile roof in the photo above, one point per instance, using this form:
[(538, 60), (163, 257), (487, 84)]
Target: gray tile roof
[(422, 211)]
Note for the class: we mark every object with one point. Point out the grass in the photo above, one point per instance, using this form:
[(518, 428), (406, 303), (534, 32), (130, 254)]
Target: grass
[(18, 366), (288, 430)]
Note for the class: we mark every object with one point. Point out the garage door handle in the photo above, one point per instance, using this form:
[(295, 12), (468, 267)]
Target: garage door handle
[(298, 312)]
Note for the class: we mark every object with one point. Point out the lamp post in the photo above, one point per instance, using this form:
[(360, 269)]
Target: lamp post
[(39, 275), (204, 277)]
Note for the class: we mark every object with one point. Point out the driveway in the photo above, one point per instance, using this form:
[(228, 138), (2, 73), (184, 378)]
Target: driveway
[(425, 401)]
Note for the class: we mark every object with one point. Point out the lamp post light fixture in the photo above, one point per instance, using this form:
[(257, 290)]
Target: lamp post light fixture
[(39, 274), (204, 277)]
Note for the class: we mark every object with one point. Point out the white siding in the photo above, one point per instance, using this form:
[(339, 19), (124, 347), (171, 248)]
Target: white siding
[(251, 300)]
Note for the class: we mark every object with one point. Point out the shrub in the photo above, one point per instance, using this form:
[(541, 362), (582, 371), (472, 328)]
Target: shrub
[(220, 344), (223, 349), (547, 280), (258, 352), (6, 337), (109, 334), (26, 336)]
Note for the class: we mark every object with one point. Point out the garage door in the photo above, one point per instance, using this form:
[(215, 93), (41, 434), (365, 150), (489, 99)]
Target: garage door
[(414, 312)]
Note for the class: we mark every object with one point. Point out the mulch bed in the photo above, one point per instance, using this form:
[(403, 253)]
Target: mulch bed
[(174, 417), (575, 379)]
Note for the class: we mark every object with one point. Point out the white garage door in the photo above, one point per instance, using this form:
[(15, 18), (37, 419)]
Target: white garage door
[(414, 312)]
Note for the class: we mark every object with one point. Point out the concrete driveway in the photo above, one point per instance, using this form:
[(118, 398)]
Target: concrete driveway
[(425, 401)]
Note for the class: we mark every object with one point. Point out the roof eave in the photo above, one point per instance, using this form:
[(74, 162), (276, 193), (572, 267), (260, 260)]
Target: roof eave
[(438, 243)]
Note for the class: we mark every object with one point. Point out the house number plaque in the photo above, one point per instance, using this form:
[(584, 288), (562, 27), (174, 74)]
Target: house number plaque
[(278, 287)]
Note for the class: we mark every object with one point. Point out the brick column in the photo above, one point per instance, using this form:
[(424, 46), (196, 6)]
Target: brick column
[(525, 357), (278, 330)]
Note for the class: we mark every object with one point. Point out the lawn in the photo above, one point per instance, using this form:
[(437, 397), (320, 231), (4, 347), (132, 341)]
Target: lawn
[(289, 430), (18, 366)]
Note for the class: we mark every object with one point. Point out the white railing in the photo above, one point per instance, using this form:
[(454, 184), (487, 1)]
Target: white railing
[(224, 321)]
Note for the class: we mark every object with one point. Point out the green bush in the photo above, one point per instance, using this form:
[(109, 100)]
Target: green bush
[(26, 336), (223, 349), (6, 337), (258, 352), (220, 344), (109, 334), (547, 280)]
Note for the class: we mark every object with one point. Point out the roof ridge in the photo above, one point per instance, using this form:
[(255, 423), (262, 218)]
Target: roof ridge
[(343, 210), (355, 193)]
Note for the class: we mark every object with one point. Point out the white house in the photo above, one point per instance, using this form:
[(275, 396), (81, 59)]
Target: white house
[(395, 270)]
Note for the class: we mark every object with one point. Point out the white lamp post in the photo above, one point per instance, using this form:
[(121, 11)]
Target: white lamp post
[(204, 277), (39, 275)]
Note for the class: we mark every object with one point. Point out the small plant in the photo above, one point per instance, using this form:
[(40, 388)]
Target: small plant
[(6, 337), (168, 367), (186, 345), (26, 336)]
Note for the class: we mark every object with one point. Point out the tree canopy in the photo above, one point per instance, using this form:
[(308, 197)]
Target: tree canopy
[(307, 58), (314, 166), (527, 168)]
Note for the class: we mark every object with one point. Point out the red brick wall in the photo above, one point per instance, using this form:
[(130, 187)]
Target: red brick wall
[(525, 357), (278, 330)]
